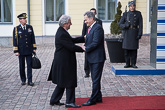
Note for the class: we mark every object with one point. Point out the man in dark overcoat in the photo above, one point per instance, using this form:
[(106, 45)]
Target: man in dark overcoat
[(95, 51), (64, 68), (84, 32), (132, 25), (24, 45)]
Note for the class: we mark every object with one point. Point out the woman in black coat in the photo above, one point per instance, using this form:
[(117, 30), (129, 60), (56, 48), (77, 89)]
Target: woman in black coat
[(64, 68)]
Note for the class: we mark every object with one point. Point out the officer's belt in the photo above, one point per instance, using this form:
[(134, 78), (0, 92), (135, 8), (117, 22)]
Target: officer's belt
[(133, 27)]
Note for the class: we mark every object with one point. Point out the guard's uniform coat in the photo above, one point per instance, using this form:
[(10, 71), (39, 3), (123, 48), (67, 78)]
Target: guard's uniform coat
[(64, 67), (130, 41)]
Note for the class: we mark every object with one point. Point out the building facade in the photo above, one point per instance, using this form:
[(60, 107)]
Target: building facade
[(43, 15)]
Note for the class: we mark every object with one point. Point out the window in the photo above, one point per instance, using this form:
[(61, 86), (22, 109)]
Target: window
[(54, 10), (0, 11), (5, 11), (106, 9)]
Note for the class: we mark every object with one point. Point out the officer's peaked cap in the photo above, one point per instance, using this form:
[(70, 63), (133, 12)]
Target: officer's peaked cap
[(22, 16)]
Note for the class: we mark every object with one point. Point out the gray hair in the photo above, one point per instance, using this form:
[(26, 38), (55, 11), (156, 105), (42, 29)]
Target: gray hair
[(64, 20), (90, 15)]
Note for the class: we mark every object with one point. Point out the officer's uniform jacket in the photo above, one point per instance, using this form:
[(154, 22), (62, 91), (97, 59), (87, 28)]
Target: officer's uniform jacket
[(24, 40), (134, 31)]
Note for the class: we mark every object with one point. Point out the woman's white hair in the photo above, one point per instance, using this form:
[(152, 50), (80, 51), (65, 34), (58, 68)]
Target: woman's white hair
[(64, 20)]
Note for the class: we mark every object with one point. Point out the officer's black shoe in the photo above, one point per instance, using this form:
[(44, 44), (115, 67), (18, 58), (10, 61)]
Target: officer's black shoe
[(127, 66), (88, 103), (86, 76), (72, 105), (23, 83), (57, 103), (30, 83), (134, 66)]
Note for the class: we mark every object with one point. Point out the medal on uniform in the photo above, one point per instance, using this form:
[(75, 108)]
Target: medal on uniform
[(19, 32), (29, 30)]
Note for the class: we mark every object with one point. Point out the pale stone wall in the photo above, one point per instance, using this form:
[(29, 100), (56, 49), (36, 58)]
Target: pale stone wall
[(76, 9), (20, 7), (36, 16)]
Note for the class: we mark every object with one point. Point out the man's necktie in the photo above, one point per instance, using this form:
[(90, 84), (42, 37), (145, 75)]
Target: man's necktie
[(89, 29), (24, 28)]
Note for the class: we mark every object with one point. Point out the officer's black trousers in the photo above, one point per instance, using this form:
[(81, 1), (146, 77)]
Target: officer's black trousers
[(86, 65), (22, 67), (58, 93), (130, 56)]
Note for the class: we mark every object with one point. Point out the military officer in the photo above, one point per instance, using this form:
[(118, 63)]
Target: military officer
[(132, 24), (24, 45)]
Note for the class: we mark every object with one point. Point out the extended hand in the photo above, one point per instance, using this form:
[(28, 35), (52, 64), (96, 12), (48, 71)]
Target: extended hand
[(85, 36), (83, 47)]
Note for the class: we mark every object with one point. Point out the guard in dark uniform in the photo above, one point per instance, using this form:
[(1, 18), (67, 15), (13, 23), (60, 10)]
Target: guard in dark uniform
[(84, 32), (132, 25), (24, 45)]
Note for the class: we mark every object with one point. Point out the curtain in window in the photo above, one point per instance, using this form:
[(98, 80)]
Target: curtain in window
[(49, 10), (7, 10), (101, 9), (59, 9), (111, 9)]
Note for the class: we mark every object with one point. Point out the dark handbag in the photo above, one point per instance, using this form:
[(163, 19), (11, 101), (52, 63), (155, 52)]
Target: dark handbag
[(36, 64)]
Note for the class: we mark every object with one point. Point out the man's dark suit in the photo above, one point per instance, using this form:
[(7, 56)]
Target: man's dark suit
[(94, 47), (84, 32), (64, 68)]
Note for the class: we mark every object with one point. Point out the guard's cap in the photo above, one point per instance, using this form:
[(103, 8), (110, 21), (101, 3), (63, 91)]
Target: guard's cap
[(131, 3), (22, 16)]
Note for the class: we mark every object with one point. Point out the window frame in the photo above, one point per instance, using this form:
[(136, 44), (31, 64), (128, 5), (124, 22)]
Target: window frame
[(47, 22), (2, 14), (106, 10)]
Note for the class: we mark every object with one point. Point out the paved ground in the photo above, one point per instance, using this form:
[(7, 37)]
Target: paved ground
[(13, 96)]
